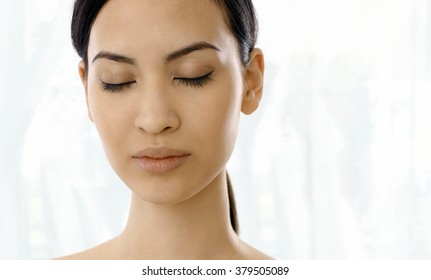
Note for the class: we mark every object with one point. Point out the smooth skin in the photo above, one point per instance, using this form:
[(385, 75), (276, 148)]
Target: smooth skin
[(163, 101)]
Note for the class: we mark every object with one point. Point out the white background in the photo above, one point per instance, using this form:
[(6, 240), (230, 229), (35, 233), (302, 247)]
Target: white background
[(336, 164)]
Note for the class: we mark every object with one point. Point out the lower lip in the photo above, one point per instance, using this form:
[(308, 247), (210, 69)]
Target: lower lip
[(160, 165)]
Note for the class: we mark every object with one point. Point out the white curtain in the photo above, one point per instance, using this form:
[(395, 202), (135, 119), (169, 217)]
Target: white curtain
[(336, 163)]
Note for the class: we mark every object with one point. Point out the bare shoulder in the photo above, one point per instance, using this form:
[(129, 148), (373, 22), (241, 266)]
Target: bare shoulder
[(248, 252), (111, 250), (103, 251)]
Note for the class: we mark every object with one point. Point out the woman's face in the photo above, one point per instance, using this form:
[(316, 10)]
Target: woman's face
[(164, 88)]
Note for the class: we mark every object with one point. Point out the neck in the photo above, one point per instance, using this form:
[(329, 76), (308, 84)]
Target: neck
[(197, 228)]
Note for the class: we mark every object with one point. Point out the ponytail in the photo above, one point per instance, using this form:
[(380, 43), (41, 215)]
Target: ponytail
[(232, 206)]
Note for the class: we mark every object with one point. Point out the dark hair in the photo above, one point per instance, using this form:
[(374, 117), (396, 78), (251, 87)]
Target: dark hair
[(240, 17)]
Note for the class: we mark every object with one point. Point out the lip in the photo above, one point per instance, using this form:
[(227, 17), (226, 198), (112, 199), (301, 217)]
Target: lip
[(161, 159)]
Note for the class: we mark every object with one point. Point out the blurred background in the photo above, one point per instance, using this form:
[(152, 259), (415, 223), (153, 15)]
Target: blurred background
[(336, 163)]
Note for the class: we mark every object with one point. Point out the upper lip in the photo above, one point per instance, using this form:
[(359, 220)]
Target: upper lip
[(159, 153)]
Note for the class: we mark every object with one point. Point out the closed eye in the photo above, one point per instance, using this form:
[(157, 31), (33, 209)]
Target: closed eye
[(195, 81), (116, 87)]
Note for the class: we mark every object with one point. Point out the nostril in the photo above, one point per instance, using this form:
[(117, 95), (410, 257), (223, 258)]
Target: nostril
[(157, 127), (157, 119)]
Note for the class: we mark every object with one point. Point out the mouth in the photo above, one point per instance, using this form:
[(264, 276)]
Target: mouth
[(160, 160)]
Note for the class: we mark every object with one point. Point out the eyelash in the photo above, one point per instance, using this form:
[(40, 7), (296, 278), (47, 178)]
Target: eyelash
[(196, 82), (116, 87)]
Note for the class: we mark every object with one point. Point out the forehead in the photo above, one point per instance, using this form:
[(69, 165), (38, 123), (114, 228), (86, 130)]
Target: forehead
[(157, 25)]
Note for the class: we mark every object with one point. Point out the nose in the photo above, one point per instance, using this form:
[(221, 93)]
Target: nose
[(156, 112)]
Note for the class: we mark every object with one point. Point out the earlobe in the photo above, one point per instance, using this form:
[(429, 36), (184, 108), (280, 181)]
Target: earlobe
[(254, 73), (83, 76)]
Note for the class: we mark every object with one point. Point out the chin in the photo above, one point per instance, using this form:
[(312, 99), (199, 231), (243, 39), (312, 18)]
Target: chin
[(165, 194)]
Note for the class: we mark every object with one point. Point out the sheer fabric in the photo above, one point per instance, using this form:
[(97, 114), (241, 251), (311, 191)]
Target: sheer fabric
[(335, 164)]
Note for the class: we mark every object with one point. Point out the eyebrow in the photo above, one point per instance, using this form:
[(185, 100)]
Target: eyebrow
[(189, 49), (169, 58), (114, 57)]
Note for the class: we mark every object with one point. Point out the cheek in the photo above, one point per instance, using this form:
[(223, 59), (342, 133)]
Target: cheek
[(217, 123), (111, 124)]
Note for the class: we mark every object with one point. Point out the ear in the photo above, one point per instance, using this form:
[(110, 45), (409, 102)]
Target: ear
[(83, 76), (254, 72)]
